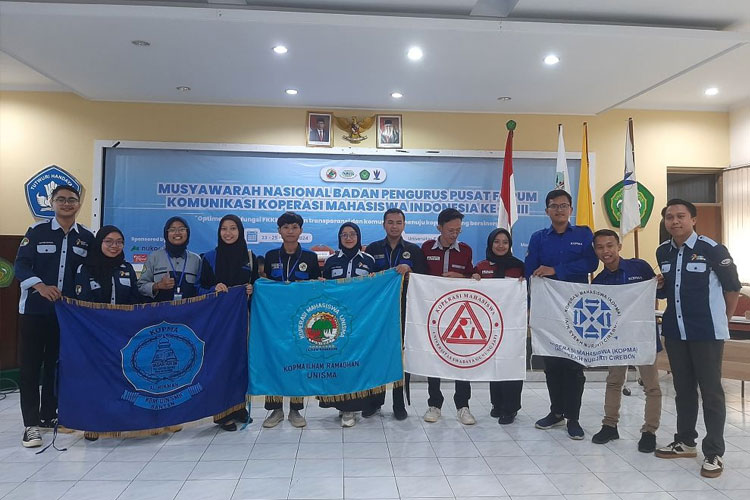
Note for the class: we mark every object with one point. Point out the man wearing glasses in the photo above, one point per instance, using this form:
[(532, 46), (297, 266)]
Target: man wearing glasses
[(448, 257), (47, 258), (563, 252)]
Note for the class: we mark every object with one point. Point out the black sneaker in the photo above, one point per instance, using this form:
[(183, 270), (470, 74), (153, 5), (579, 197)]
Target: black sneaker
[(647, 444), (506, 419), (712, 466), (49, 423), (549, 422), (606, 434), (575, 431), (32, 438), (399, 413), (495, 413)]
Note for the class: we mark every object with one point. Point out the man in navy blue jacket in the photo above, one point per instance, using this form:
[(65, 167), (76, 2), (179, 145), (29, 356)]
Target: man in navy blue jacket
[(619, 271), (563, 252), (699, 280), (46, 262)]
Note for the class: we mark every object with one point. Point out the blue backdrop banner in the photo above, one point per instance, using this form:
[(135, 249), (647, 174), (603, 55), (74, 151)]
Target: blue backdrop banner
[(131, 368), (325, 338), (145, 187)]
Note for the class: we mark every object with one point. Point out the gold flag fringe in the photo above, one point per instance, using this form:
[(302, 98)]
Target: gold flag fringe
[(352, 395), (133, 307), (231, 410)]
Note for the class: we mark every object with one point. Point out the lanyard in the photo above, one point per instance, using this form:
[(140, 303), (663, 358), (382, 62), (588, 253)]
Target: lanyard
[(182, 273), (390, 255), (288, 269)]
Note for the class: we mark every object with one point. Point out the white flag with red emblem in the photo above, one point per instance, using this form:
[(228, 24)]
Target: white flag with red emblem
[(464, 329), (594, 325)]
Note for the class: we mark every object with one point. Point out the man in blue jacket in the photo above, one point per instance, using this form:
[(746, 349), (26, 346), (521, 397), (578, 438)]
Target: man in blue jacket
[(619, 271), (699, 280), (563, 252), (46, 262)]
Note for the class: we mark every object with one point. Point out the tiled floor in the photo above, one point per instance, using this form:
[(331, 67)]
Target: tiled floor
[(381, 458)]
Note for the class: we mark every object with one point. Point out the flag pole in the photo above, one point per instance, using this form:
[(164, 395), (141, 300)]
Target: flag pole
[(635, 232)]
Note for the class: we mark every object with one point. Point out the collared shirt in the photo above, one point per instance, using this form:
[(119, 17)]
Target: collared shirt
[(299, 266), (455, 258), (404, 253), (48, 255), (628, 271), (339, 265), (570, 253), (696, 275), (184, 270)]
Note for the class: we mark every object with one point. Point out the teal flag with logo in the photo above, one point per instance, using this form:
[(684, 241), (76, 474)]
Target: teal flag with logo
[(325, 338)]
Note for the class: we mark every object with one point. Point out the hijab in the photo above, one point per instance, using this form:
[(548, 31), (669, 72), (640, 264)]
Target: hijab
[(172, 249), (350, 252), (101, 267), (502, 262), (230, 258)]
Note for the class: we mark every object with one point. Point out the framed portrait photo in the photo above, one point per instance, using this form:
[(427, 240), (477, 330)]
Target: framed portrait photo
[(318, 129), (389, 132)]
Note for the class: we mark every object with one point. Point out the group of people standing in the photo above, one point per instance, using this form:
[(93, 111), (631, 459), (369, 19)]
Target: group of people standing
[(697, 277)]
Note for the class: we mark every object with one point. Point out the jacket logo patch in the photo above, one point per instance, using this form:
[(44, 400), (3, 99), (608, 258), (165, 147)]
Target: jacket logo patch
[(725, 262), (433, 257), (303, 266), (24, 241), (406, 255)]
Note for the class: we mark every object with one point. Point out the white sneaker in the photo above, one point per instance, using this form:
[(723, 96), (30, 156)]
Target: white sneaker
[(32, 438), (348, 419), (465, 416), (432, 414), (274, 418)]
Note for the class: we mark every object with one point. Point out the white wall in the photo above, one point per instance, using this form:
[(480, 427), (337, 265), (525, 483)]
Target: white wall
[(739, 135)]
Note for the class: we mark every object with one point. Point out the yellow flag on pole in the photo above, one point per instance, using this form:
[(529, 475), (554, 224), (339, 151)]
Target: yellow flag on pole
[(584, 205)]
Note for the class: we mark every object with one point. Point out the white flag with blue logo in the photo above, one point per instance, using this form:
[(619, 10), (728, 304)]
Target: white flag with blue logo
[(594, 325)]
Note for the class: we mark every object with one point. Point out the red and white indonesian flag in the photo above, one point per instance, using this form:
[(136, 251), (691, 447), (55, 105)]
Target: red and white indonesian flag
[(464, 329), (594, 325)]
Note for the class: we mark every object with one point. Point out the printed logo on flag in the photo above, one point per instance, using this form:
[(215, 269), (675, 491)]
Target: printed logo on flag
[(591, 318), (465, 328), (322, 328), (160, 362)]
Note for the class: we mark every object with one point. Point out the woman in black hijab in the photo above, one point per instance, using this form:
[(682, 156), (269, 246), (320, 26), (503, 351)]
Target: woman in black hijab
[(229, 264), (106, 277), (500, 263)]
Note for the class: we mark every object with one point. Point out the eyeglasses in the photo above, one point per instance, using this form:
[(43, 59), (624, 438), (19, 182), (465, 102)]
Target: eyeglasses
[(561, 206), (453, 231), (173, 230), (349, 236), (113, 243), (64, 201)]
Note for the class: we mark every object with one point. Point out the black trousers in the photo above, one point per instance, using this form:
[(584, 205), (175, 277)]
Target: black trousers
[(461, 395), (698, 364), (40, 347), (377, 400), (565, 380), (506, 396), (294, 404)]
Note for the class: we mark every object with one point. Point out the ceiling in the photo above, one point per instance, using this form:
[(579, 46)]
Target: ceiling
[(352, 54)]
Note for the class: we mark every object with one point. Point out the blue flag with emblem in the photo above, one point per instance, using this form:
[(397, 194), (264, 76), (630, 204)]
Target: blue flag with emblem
[(149, 366), (326, 338)]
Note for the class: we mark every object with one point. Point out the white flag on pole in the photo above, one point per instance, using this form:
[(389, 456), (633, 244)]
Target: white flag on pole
[(594, 325), (562, 181), (630, 214), (463, 329)]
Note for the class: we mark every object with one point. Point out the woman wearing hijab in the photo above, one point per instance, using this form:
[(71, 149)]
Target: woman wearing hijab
[(350, 261), (105, 277), (229, 264), (505, 396), (172, 272)]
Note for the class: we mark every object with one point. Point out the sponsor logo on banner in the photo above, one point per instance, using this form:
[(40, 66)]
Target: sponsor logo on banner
[(39, 189), (591, 318), (349, 175), (322, 328), (140, 258), (160, 362), (465, 328)]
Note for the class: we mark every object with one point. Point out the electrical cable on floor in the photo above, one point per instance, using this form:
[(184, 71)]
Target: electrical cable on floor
[(13, 387)]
